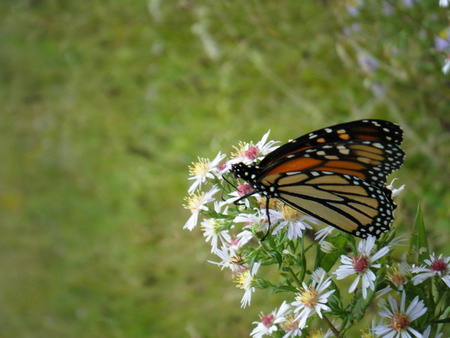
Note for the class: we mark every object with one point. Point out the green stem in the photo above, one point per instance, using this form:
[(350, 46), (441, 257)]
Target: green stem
[(294, 277), (331, 326)]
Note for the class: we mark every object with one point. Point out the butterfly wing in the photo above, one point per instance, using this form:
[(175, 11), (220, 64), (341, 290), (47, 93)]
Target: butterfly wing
[(368, 160), (336, 174), (346, 202), (372, 131)]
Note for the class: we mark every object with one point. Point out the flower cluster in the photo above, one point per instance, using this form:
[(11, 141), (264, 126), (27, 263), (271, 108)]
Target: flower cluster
[(316, 282)]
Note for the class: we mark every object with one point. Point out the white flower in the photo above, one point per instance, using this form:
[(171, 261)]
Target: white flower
[(202, 170), (395, 191), (197, 203), (230, 259), (437, 267), (213, 232), (243, 190), (312, 299), (398, 276), (291, 327), (268, 323), (361, 264), (259, 220), (245, 282), (294, 221), (443, 3), (399, 319), (249, 153)]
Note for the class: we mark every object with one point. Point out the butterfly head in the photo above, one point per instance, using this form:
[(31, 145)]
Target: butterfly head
[(244, 171)]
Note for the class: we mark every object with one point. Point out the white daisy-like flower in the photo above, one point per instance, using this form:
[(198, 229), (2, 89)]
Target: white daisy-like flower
[(243, 189), (249, 153), (259, 221), (243, 237), (213, 231), (399, 276), (196, 203), (230, 259), (291, 326), (361, 265), (268, 323), (400, 319), (202, 170), (395, 191), (439, 266), (294, 221), (245, 281), (313, 298)]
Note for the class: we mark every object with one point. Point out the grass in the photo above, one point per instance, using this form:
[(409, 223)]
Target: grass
[(104, 105)]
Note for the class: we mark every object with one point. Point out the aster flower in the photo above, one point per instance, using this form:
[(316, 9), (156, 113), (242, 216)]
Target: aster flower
[(313, 298), (439, 266), (243, 189), (400, 319), (213, 230), (196, 203), (259, 220), (442, 41), (294, 221), (202, 170), (245, 281), (268, 323), (367, 63), (290, 327), (249, 153), (399, 276), (361, 264), (230, 259)]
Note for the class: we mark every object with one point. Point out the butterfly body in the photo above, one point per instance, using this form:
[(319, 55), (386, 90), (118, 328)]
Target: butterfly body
[(336, 174)]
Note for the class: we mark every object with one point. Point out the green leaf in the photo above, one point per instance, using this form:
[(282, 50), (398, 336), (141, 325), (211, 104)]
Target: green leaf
[(327, 260), (418, 245)]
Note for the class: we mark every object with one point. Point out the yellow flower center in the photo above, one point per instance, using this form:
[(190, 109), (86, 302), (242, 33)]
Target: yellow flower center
[(193, 202), (242, 279), (200, 168), (399, 321), (290, 324), (309, 297), (289, 213)]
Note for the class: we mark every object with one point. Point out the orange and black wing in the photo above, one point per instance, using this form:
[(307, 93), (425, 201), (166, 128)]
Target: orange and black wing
[(373, 131), (371, 152), (346, 202)]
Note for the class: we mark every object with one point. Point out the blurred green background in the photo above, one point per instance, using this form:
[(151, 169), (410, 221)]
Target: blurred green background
[(104, 104)]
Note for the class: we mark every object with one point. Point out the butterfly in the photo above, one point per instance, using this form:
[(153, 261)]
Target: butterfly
[(336, 174)]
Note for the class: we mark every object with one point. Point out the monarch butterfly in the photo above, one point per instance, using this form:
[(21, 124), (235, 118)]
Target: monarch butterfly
[(336, 174)]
